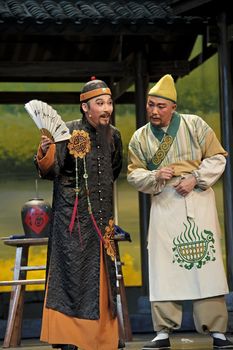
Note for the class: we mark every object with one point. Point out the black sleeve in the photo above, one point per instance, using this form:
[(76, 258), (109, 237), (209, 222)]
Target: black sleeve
[(117, 154)]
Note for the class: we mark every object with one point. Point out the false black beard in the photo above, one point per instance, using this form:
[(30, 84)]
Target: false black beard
[(106, 137)]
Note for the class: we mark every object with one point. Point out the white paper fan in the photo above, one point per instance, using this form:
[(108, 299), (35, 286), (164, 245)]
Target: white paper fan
[(48, 120)]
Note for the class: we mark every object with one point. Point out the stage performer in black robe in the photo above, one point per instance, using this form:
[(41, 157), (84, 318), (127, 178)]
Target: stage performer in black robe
[(80, 303)]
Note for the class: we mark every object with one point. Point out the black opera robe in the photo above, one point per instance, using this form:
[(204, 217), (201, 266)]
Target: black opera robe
[(74, 267)]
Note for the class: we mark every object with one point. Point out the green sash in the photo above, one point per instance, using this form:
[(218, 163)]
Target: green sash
[(166, 139)]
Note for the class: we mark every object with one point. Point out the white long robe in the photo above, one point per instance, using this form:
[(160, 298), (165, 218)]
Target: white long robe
[(185, 259)]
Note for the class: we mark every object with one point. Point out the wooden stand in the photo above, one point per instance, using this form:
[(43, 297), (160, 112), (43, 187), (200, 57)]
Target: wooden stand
[(15, 316)]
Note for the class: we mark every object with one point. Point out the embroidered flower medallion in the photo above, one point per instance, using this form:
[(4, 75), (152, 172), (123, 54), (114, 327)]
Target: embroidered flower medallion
[(79, 144), (109, 243), (193, 248)]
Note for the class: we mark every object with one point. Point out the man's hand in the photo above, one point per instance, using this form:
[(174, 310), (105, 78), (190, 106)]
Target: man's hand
[(45, 142), (165, 173), (185, 186)]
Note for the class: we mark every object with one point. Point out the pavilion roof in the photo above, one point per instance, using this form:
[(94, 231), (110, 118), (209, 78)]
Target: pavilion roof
[(85, 13)]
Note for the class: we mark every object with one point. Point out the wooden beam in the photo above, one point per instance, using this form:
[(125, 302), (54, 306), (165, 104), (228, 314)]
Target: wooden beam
[(127, 98), (157, 27), (180, 6), (80, 71), (209, 51), (176, 68), (60, 71), (120, 87), (59, 97), (182, 67), (22, 282), (230, 33)]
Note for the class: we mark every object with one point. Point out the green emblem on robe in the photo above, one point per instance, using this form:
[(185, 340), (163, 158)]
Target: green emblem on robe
[(192, 248)]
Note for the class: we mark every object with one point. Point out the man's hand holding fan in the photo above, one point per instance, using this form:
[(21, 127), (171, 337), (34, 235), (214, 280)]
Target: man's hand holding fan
[(48, 121)]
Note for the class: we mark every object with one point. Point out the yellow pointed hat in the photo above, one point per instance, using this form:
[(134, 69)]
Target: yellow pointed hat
[(164, 88)]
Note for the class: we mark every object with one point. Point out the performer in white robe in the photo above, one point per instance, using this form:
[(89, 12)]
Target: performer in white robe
[(177, 158)]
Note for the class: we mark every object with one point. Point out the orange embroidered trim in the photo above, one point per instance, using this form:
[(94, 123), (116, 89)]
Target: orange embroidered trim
[(94, 93), (109, 243)]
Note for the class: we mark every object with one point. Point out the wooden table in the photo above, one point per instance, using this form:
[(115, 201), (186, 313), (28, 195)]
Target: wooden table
[(15, 315)]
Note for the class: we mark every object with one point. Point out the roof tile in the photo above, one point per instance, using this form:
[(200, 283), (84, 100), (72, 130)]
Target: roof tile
[(76, 12)]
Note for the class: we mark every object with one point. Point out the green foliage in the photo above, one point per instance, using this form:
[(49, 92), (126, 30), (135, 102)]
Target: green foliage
[(199, 91), (18, 139)]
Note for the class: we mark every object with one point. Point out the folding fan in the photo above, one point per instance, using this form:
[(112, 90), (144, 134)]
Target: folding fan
[(48, 120)]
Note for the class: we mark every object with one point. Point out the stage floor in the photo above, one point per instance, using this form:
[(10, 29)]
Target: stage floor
[(179, 341)]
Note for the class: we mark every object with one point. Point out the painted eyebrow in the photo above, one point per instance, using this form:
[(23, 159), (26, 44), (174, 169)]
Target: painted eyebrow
[(101, 99)]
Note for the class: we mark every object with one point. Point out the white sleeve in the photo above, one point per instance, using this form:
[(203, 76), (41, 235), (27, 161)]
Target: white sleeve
[(146, 181), (209, 171)]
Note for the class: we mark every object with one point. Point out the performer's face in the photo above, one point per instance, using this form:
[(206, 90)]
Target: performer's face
[(159, 110), (98, 110)]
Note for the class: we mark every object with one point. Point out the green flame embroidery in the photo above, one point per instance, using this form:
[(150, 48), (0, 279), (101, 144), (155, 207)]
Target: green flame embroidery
[(192, 248)]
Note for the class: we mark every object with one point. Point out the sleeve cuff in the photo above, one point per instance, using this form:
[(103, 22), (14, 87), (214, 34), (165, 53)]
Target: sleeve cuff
[(46, 162)]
